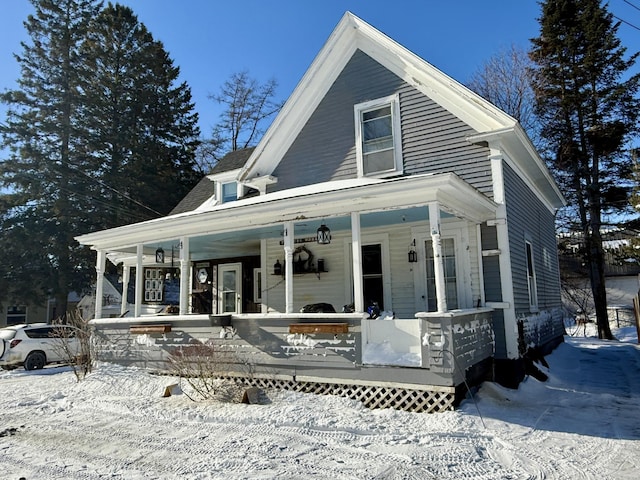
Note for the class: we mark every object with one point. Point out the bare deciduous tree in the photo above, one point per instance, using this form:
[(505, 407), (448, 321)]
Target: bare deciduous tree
[(248, 104), (74, 344), (505, 81)]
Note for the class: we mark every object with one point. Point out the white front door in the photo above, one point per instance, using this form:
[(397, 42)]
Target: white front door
[(230, 288)]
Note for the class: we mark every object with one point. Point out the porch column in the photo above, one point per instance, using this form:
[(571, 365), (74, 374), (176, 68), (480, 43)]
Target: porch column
[(264, 293), (438, 263), (184, 275), (139, 281), (356, 253), (288, 263), (100, 266), (126, 273)]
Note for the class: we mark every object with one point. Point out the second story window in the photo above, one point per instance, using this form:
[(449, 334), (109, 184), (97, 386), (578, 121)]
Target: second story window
[(378, 137)]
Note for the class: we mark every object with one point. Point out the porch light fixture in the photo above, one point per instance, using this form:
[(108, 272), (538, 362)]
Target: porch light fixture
[(323, 235), (277, 268), (160, 255), (413, 255)]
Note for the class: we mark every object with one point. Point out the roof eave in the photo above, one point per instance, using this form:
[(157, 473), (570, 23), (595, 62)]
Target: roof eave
[(452, 193)]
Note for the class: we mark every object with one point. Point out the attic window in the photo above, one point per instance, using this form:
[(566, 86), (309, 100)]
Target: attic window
[(229, 192), (378, 137)]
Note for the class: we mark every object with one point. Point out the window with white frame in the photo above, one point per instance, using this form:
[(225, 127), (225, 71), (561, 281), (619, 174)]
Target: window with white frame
[(450, 282), (229, 192), (531, 277), (378, 144)]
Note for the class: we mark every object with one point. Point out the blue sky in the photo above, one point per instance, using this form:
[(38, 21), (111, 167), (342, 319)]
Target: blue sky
[(209, 39)]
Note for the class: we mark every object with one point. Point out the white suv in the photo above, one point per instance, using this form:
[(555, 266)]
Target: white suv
[(35, 345)]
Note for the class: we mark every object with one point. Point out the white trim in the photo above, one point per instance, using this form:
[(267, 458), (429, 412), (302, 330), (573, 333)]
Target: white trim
[(531, 289), (504, 259), (264, 270), (185, 276), (237, 268), (320, 200), (480, 253), (393, 101), (356, 254), (289, 239), (381, 239), (100, 267), (139, 280)]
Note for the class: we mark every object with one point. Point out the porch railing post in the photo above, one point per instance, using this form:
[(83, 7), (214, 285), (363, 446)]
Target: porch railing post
[(100, 266), (288, 271), (438, 263), (356, 247), (184, 275)]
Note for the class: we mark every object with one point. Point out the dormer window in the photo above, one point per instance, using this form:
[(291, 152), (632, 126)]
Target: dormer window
[(226, 187), (228, 192), (378, 144)]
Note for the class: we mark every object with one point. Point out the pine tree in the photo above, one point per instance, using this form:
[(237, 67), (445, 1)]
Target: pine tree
[(589, 108), (142, 129), (45, 211), (98, 136)]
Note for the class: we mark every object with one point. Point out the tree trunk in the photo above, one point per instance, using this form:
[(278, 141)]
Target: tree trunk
[(598, 287)]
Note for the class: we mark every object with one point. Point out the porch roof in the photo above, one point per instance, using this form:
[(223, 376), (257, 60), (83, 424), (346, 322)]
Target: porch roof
[(323, 200)]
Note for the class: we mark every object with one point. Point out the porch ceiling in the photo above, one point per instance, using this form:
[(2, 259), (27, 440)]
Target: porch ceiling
[(243, 223)]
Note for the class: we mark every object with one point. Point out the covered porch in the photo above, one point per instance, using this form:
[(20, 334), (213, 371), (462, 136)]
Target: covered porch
[(399, 262)]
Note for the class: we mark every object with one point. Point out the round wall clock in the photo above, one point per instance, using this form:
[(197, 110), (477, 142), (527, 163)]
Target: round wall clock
[(202, 275)]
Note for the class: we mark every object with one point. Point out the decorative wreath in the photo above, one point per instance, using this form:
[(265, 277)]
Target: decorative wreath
[(302, 264)]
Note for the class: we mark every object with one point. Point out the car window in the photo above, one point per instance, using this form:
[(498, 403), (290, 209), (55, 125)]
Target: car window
[(44, 332), (7, 334)]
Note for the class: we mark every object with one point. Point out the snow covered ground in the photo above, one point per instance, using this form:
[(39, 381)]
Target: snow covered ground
[(583, 423)]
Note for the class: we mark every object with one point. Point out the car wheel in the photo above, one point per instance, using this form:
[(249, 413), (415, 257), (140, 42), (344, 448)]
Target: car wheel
[(34, 361)]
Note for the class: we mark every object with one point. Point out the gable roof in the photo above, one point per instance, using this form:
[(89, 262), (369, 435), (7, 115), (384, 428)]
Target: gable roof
[(353, 34), (204, 189)]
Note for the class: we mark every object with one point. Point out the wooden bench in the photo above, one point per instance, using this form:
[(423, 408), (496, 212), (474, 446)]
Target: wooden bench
[(332, 328), (153, 328)]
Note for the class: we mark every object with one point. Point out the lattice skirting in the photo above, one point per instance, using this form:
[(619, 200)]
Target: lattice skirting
[(409, 400)]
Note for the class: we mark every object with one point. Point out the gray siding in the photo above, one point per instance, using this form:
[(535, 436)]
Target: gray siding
[(433, 140), (529, 220)]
